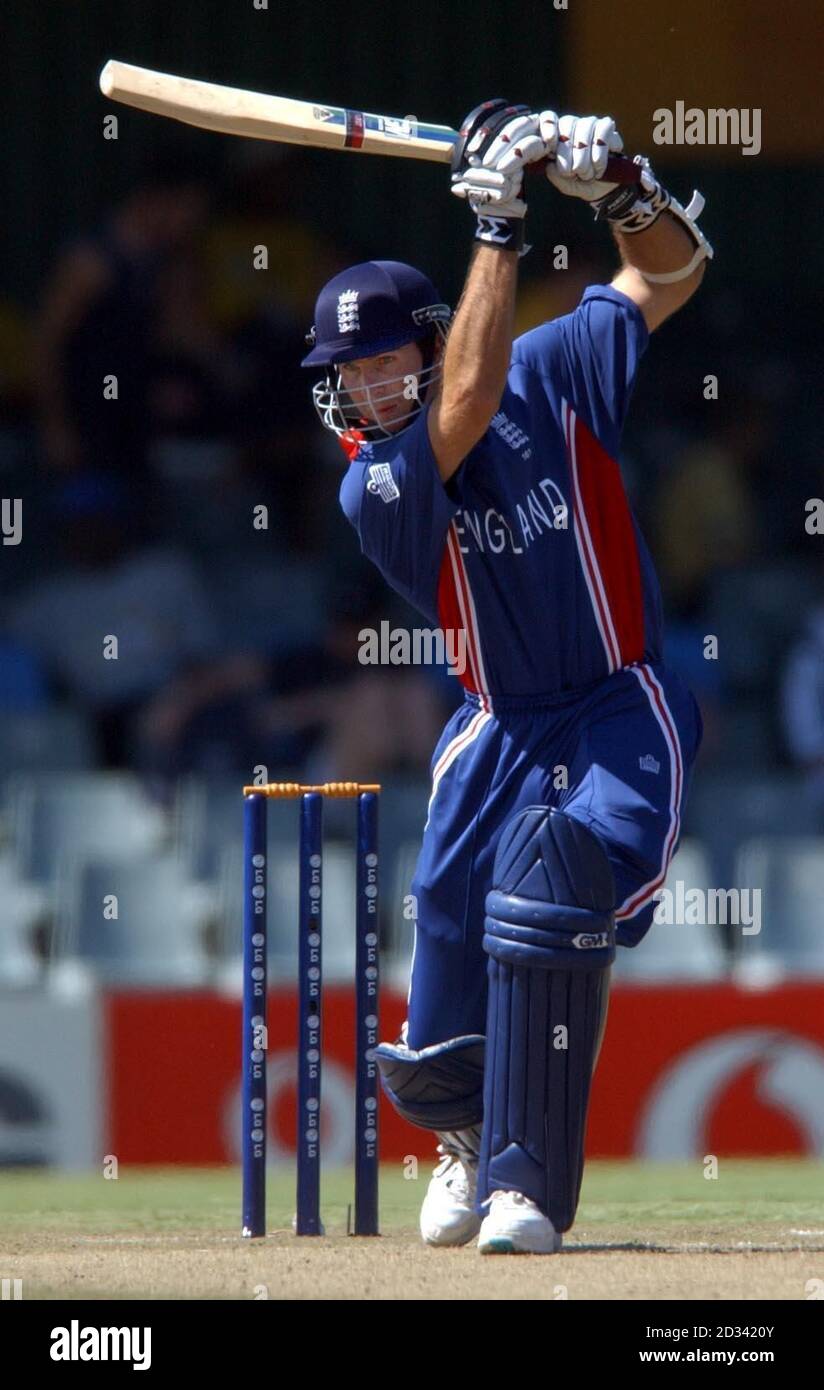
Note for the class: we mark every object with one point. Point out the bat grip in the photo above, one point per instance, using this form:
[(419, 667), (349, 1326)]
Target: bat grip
[(620, 169)]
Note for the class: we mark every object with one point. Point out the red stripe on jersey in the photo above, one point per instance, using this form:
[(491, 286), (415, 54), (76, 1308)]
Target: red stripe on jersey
[(610, 525), (468, 614), (449, 614), (586, 554)]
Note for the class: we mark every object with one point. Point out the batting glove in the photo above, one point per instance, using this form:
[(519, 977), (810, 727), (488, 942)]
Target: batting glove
[(577, 149), (494, 194)]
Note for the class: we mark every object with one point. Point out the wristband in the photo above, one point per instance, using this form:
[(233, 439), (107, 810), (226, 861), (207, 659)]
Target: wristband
[(505, 232), (624, 209)]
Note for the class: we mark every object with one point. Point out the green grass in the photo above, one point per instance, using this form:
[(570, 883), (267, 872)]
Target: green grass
[(785, 1190), (176, 1201)]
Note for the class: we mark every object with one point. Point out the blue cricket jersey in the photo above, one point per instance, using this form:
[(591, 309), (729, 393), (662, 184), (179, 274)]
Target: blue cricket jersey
[(531, 549)]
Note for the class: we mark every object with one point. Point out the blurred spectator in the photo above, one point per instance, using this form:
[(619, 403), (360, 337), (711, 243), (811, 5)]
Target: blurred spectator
[(339, 719), (23, 685), (124, 301), (264, 312), (802, 708), (549, 296), (706, 513), (385, 722), (114, 586), (15, 358), (313, 709), (253, 214), (684, 652)]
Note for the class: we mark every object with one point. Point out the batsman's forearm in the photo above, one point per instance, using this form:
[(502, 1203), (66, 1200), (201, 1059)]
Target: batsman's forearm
[(476, 359), (661, 248)]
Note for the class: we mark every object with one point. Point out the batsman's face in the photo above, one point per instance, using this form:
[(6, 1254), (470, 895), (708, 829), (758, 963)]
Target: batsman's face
[(384, 388)]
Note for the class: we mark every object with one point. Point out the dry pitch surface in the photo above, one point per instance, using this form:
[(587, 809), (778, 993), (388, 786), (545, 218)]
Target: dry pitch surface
[(643, 1232)]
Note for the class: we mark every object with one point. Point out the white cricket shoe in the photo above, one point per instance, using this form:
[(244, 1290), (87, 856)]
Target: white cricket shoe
[(514, 1225), (448, 1215)]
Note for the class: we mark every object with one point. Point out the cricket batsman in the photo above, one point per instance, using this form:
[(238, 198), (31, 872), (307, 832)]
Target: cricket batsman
[(483, 482)]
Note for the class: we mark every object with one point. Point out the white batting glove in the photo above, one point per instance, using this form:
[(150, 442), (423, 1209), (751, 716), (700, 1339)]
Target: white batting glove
[(493, 194), (487, 190), (578, 148), (488, 181), (492, 182)]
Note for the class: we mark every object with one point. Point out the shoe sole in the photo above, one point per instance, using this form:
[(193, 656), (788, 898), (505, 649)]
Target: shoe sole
[(504, 1245), (454, 1240)]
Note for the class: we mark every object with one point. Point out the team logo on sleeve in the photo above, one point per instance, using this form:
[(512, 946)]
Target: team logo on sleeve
[(348, 313), (382, 482), (511, 434)]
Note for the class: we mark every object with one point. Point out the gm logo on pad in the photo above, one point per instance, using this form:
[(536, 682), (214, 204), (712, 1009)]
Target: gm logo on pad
[(591, 941)]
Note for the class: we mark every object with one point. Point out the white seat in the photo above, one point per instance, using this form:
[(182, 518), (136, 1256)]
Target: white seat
[(156, 938), (53, 740), (399, 910), (677, 950), (21, 905), (208, 819), (338, 911), (789, 874), (56, 821)]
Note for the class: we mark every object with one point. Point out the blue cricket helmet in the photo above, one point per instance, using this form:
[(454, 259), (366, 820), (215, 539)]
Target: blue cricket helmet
[(372, 308)]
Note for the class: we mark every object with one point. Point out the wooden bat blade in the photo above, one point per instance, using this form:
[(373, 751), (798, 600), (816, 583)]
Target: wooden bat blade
[(258, 116)]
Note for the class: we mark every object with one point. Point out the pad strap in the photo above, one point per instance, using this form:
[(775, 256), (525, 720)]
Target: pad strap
[(439, 1087)]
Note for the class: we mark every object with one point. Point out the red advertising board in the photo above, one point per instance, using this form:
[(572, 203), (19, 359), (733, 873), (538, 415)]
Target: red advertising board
[(684, 1070), (697, 1069), (174, 1083)]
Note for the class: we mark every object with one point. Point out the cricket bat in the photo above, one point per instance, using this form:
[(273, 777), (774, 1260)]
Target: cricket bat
[(259, 116)]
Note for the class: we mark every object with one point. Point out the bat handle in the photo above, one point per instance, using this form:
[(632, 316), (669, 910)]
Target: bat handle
[(620, 169)]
